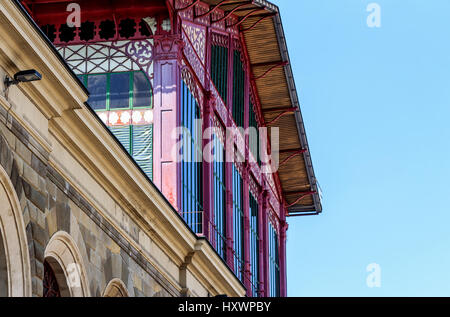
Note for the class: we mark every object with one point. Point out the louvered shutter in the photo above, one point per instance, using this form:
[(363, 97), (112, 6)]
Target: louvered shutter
[(143, 148), (122, 134)]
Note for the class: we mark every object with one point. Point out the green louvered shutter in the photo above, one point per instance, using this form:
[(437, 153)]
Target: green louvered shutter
[(219, 69), (238, 89), (122, 134), (143, 148)]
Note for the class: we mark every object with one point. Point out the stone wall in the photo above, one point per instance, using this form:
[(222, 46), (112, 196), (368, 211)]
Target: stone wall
[(50, 204)]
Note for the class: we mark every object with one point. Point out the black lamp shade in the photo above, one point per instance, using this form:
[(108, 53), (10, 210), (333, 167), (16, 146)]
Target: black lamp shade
[(27, 76)]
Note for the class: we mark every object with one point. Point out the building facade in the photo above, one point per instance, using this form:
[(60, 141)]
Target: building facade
[(160, 154)]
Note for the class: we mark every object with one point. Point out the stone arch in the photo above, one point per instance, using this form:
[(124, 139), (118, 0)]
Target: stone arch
[(115, 288), (15, 268), (63, 256)]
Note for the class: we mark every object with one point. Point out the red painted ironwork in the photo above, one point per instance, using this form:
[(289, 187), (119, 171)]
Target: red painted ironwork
[(274, 66), (303, 195), (290, 157), (54, 12), (230, 13), (282, 114), (195, 2), (217, 6)]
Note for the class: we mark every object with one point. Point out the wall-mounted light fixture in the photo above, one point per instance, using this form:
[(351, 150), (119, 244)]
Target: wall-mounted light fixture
[(24, 76)]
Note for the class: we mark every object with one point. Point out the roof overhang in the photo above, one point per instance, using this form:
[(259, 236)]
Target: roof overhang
[(273, 83)]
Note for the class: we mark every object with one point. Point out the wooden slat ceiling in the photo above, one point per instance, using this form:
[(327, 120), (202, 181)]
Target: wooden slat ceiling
[(264, 47)]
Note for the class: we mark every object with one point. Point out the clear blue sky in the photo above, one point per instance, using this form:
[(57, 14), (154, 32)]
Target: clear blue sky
[(376, 104)]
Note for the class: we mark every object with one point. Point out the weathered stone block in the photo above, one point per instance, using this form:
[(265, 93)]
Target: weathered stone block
[(26, 216), (8, 135), (38, 166), (89, 239), (30, 176), (19, 163), (39, 269), (37, 198), (23, 152), (51, 222), (51, 189), (37, 286), (42, 185), (14, 174), (5, 154), (107, 266), (62, 211), (39, 251), (6, 157), (39, 234)]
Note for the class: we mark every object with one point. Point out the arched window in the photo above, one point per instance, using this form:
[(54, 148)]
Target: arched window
[(115, 288), (15, 273), (51, 287), (64, 273)]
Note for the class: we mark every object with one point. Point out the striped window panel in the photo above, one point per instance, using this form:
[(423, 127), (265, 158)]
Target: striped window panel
[(192, 165), (238, 89), (219, 69), (143, 148), (254, 245), (138, 141), (274, 262), (123, 134), (219, 232), (254, 138), (238, 223)]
